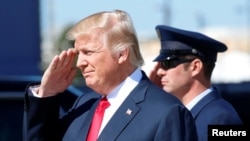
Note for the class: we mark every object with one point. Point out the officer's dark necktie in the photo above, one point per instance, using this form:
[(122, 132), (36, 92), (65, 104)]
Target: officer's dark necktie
[(97, 119)]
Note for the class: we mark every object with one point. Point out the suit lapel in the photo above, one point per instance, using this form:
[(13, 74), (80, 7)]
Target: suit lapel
[(83, 132), (125, 113), (119, 121), (204, 101)]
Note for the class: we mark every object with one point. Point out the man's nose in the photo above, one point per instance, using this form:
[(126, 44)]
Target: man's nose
[(81, 61)]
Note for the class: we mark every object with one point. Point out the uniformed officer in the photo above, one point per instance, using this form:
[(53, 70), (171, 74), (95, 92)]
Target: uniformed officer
[(184, 68)]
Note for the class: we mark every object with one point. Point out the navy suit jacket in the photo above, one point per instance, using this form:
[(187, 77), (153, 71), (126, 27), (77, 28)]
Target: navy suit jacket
[(213, 110), (156, 116)]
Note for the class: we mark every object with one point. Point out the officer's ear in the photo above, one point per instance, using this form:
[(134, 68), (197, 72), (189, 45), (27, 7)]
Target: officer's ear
[(196, 66)]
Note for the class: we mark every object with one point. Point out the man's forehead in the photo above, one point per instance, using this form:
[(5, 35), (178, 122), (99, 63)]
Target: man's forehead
[(94, 34), (86, 42), (82, 39)]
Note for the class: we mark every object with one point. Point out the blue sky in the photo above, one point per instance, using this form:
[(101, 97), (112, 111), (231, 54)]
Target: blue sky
[(146, 14)]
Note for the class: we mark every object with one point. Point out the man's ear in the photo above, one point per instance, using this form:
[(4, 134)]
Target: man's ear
[(123, 55), (197, 66)]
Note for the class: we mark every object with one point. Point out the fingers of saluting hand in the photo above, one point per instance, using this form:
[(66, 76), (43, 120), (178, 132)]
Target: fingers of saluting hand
[(153, 72), (59, 74), (65, 60), (153, 75)]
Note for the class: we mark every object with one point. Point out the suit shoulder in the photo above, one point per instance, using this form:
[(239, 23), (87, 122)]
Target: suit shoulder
[(156, 93)]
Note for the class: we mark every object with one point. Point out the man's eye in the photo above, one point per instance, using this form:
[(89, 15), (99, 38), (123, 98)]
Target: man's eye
[(165, 64), (168, 64), (88, 52)]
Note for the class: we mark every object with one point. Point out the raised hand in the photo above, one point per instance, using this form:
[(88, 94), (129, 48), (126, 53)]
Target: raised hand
[(153, 75), (59, 75)]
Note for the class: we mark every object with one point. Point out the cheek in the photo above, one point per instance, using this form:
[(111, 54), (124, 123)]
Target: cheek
[(175, 77), (178, 75), (181, 80), (107, 68)]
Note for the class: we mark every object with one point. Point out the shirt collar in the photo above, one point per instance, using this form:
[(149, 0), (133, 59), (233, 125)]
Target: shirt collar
[(191, 104), (124, 88)]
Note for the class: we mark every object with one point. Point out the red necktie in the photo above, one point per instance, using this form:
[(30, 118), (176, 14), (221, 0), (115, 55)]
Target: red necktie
[(97, 119)]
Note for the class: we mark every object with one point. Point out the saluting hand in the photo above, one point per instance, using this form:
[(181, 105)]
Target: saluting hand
[(153, 75), (59, 75)]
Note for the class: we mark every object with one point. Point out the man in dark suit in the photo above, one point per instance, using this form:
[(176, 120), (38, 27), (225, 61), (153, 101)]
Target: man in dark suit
[(184, 68), (109, 59)]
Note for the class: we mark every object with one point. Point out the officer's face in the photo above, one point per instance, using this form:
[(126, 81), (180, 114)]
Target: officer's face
[(176, 75)]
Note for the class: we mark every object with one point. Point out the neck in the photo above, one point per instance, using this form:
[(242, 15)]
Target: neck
[(195, 90), (119, 76)]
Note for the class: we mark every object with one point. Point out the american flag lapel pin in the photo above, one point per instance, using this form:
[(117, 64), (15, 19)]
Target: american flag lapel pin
[(129, 112)]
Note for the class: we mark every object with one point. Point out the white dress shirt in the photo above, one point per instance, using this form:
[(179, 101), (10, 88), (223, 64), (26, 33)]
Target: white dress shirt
[(119, 94)]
